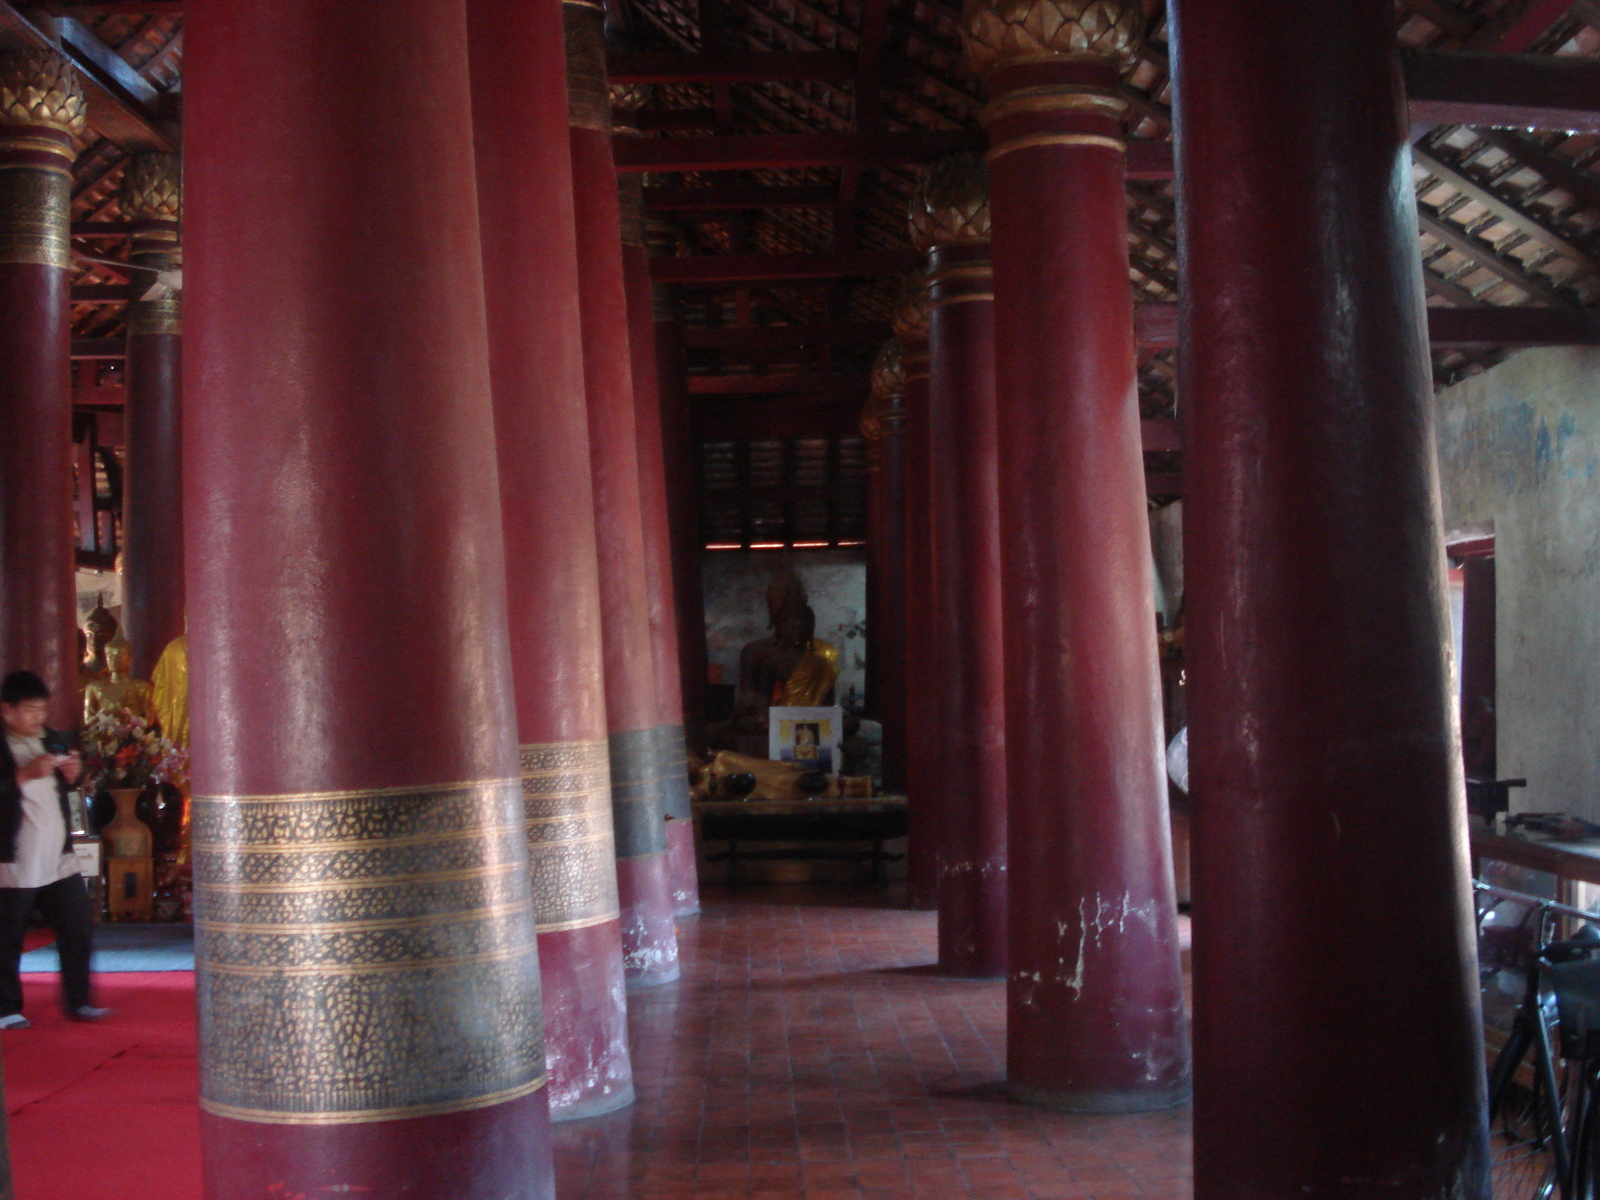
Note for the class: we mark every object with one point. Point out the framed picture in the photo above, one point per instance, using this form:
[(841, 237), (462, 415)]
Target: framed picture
[(806, 737), (79, 811)]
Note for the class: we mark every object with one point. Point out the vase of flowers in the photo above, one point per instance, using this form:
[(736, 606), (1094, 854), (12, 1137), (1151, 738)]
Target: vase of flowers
[(124, 754)]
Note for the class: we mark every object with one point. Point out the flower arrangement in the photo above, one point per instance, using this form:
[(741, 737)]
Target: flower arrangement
[(121, 750)]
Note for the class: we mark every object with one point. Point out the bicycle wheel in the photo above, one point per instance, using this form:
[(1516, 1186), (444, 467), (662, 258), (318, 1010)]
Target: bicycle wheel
[(1522, 1164), (1532, 1102)]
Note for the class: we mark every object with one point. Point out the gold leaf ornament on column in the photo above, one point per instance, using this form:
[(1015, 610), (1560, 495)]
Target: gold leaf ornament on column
[(913, 305), (951, 204), (40, 87), (888, 389), (152, 188), (1006, 33)]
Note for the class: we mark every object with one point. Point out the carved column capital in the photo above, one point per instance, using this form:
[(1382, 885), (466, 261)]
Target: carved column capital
[(152, 187), (152, 200), (41, 110), (41, 88), (912, 308), (1008, 33), (885, 411), (951, 204)]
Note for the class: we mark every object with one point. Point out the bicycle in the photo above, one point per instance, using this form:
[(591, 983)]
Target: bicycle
[(1544, 1110)]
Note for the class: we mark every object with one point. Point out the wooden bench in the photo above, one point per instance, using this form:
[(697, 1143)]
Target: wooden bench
[(818, 826)]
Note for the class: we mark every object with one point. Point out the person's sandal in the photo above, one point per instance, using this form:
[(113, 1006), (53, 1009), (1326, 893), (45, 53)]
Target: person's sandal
[(87, 1012), (15, 1021)]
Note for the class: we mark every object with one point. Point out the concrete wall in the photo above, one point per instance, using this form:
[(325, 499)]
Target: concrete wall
[(736, 607), (1519, 450)]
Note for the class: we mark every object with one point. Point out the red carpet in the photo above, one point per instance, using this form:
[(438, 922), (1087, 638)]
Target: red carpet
[(107, 1111)]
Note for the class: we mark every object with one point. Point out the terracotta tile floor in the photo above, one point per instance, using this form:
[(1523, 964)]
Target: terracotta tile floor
[(809, 1051)]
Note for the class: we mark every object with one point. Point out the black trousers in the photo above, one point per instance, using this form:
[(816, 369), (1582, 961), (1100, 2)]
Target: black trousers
[(66, 908)]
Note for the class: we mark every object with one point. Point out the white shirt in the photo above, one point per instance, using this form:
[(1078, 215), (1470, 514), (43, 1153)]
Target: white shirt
[(39, 860)]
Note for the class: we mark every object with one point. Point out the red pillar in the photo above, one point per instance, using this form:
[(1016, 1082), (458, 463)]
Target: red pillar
[(525, 204), (884, 426), (1095, 1003), (683, 512), (657, 529), (38, 591), (368, 980), (924, 779), (1329, 827), (964, 521), (152, 524), (649, 941)]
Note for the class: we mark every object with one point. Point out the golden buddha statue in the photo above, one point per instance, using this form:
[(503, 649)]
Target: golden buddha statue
[(790, 667), (119, 692), (99, 627), (170, 682)]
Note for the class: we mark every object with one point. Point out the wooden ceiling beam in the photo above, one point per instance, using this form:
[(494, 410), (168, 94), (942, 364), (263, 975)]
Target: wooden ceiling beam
[(1156, 326), (742, 66), (763, 151), (120, 109), (125, 8), (816, 383), (1557, 171), (768, 151), (1485, 255), (731, 269), (1514, 36), (92, 349), (726, 197), (102, 229), (99, 293), (1513, 215), (1458, 328), (1521, 91), (786, 337)]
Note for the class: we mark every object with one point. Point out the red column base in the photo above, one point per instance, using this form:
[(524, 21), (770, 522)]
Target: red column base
[(585, 1021), (499, 1153), (649, 937)]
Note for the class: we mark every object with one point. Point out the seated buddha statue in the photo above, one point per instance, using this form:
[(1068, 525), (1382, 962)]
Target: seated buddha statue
[(789, 667), (119, 692)]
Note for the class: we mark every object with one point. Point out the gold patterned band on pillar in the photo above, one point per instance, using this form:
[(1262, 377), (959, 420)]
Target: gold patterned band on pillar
[(365, 956), (630, 202), (35, 214), (636, 806), (588, 99), (572, 853), (673, 750), (42, 109)]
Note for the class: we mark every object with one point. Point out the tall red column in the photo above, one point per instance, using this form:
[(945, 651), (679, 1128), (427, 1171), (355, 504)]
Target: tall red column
[(657, 529), (649, 940), (530, 264), (1330, 848), (1095, 1003), (41, 109), (368, 981), (924, 777), (951, 215), (883, 424), (683, 512), (152, 523)]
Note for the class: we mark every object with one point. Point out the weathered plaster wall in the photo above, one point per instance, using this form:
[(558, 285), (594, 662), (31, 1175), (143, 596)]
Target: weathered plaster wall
[(736, 607), (1519, 451)]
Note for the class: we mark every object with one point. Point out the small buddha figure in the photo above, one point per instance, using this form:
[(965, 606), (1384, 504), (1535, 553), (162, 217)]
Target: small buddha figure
[(101, 627), (119, 692), (170, 684)]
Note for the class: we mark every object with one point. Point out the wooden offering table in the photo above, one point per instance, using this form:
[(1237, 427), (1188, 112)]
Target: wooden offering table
[(872, 820)]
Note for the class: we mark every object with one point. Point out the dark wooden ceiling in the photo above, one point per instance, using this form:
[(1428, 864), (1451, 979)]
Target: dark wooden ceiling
[(1507, 216)]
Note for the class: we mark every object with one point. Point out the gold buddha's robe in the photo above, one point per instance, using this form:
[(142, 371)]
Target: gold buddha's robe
[(170, 681), (812, 679), (119, 695)]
